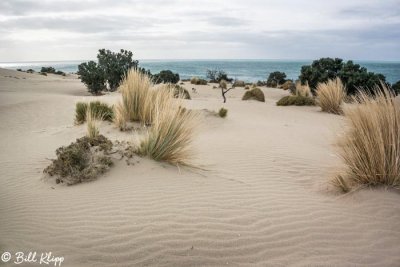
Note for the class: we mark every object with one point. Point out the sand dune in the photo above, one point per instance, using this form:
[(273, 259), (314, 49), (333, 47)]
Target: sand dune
[(264, 199)]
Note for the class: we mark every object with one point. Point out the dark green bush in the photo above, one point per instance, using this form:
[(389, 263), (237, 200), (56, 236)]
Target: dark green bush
[(255, 94), (48, 70), (223, 112), (396, 87), (296, 100), (352, 75), (30, 71), (166, 76), (99, 110), (59, 72), (215, 76), (115, 65), (92, 75), (275, 78), (81, 161)]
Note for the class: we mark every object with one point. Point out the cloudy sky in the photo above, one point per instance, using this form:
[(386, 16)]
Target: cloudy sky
[(202, 29)]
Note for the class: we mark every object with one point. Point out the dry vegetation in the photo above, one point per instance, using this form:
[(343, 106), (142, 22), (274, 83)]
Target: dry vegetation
[(331, 95), (370, 148), (254, 94)]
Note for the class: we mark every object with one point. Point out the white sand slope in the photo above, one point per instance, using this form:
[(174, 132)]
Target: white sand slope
[(264, 201)]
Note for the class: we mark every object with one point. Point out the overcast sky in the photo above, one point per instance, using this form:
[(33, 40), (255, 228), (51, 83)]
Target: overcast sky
[(202, 29)]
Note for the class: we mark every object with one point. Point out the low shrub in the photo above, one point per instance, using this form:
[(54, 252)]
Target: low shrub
[(370, 147), (276, 78), (247, 87), (166, 76), (239, 83), (287, 85), (181, 92), (331, 95), (43, 73), (30, 71), (261, 83), (223, 112), (216, 76), (81, 161), (48, 70), (296, 100), (198, 81), (255, 94), (99, 110)]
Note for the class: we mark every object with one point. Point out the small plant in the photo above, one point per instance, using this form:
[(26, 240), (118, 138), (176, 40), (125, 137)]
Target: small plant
[(223, 112), (216, 76), (330, 96), (91, 120), (81, 161), (370, 147), (287, 85), (247, 87), (100, 110), (121, 117), (239, 83), (255, 94), (303, 90), (223, 85), (171, 132), (43, 73), (198, 81), (180, 92), (296, 100), (48, 70)]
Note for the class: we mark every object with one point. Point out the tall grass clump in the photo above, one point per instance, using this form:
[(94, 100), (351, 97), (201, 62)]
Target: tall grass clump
[(331, 95), (91, 119), (171, 132), (137, 96), (101, 110), (303, 90), (370, 148)]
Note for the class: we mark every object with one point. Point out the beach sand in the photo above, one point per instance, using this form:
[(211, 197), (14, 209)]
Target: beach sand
[(263, 200)]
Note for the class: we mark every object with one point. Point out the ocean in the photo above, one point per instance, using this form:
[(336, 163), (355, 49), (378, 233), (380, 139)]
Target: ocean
[(247, 70)]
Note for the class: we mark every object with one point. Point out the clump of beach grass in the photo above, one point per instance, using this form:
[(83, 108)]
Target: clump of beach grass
[(91, 122), (303, 90), (331, 95), (171, 133), (136, 97), (98, 108), (370, 147)]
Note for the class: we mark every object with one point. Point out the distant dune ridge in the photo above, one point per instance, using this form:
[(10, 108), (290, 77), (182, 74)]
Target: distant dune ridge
[(266, 199)]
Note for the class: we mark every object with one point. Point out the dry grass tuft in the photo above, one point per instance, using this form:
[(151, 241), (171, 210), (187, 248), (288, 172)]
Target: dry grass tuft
[(331, 95), (370, 148), (303, 90), (137, 96), (121, 117), (92, 119), (171, 132), (254, 94)]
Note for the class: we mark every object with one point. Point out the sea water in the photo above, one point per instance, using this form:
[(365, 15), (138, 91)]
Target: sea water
[(247, 70)]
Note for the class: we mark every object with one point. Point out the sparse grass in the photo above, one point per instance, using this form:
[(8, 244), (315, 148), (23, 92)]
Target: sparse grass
[(295, 100), (198, 81), (303, 90), (370, 148), (331, 95), (81, 161), (286, 85), (255, 93), (223, 112), (180, 92), (171, 132), (100, 110), (121, 117), (137, 97), (91, 122)]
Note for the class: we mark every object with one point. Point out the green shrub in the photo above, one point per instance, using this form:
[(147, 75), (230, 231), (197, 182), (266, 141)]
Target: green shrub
[(59, 72), (115, 65), (396, 87), (276, 78), (43, 73), (48, 70), (92, 75), (255, 94), (30, 71), (223, 112), (81, 161), (296, 100), (352, 75), (215, 76), (166, 76), (99, 110)]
